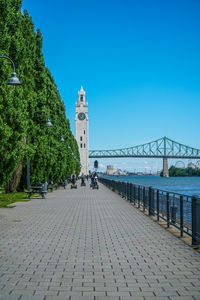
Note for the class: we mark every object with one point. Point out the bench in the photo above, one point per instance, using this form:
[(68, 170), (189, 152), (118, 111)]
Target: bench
[(52, 186), (62, 183), (40, 190)]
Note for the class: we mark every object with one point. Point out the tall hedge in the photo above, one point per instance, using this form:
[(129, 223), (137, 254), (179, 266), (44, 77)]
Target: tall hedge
[(23, 133)]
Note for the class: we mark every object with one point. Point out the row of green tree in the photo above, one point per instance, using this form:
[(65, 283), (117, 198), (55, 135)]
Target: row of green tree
[(23, 132), (177, 172)]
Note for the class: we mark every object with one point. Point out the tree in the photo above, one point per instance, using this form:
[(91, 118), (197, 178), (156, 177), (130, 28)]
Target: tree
[(23, 133), (12, 107), (177, 172)]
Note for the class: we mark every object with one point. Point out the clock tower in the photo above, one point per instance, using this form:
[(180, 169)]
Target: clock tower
[(81, 130)]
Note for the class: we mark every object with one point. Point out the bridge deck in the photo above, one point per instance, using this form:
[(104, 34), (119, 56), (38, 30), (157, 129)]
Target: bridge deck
[(91, 244)]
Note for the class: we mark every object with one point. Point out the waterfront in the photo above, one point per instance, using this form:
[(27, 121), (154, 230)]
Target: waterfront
[(183, 185)]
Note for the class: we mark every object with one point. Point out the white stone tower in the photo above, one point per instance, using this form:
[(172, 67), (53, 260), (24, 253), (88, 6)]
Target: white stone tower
[(82, 130)]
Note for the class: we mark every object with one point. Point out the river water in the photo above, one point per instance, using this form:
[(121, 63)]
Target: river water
[(183, 185)]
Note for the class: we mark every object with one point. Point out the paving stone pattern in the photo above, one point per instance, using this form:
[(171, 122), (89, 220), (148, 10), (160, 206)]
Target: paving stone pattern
[(91, 244)]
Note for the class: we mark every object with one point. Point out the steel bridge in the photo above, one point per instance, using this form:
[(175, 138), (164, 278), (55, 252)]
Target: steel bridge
[(161, 148)]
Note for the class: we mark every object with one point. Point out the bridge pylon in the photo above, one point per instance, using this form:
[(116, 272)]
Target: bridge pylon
[(165, 168)]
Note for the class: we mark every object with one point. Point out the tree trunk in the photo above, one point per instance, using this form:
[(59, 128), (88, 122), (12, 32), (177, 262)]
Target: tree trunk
[(13, 183)]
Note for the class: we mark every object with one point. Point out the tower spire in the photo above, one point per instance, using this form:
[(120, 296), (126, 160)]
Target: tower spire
[(81, 97)]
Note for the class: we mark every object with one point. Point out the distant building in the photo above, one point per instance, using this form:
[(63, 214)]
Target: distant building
[(119, 172), (110, 170)]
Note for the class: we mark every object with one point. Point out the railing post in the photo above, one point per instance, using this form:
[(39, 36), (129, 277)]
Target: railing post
[(128, 191), (131, 191), (152, 202), (181, 216), (134, 193), (124, 189), (195, 221), (158, 204), (168, 216), (139, 196), (113, 184), (144, 199), (118, 186), (151, 206)]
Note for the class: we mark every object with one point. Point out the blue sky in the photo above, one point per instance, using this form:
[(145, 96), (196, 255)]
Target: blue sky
[(138, 61)]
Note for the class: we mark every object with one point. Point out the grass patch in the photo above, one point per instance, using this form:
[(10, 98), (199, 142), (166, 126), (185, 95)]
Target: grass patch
[(7, 199)]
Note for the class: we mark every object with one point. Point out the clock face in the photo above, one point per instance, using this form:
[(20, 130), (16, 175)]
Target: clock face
[(81, 116)]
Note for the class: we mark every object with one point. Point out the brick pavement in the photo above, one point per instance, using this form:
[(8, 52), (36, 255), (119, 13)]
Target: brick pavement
[(91, 244)]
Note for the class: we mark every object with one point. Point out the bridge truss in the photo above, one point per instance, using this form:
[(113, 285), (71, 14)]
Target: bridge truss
[(161, 148)]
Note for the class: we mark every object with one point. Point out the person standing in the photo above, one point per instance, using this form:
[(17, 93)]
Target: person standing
[(73, 178)]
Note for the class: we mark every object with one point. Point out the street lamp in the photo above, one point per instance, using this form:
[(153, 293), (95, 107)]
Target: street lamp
[(73, 155), (13, 79), (48, 124), (62, 139)]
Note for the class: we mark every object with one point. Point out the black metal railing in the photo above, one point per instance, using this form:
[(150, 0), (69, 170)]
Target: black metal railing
[(181, 211)]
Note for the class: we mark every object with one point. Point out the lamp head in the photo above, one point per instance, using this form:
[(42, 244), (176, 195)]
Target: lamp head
[(49, 124), (13, 80)]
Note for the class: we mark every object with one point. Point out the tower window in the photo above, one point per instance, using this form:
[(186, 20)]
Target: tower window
[(84, 131), (81, 98), (81, 145), (81, 138), (84, 145)]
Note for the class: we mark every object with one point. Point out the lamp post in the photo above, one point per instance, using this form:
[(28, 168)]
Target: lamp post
[(48, 124), (13, 79), (61, 140), (72, 153), (75, 159)]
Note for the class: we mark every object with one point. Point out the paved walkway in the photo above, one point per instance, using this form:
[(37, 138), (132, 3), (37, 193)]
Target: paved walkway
[(91, 244)]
